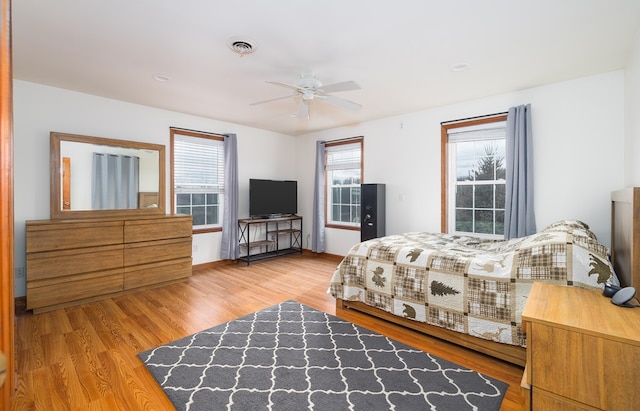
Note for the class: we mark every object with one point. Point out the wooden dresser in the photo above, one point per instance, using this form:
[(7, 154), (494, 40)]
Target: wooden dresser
[(583, 353), (75, 261)]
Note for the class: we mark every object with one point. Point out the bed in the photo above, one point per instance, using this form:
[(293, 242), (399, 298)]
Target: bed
[(471, 291)]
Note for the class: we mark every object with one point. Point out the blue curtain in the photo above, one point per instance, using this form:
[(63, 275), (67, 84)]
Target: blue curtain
[(114, 182), (317, 239), (229, 247), (519, 218)]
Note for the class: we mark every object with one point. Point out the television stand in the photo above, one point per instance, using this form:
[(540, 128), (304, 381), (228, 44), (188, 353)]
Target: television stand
[(262, 238)]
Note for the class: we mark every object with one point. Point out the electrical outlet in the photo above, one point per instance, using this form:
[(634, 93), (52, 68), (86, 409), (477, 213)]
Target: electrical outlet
[(195, 248), (19, 272)]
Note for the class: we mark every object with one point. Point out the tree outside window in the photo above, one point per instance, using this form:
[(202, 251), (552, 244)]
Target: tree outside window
[(480, 193)]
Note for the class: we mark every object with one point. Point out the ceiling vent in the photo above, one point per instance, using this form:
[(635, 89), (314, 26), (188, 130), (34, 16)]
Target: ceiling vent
[(241, 46)]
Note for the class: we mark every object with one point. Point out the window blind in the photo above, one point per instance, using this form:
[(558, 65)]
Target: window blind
[(343, 156), (489, 131), (198, 164)]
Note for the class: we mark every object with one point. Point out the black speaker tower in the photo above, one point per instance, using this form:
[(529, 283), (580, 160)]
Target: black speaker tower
[(372, 203)]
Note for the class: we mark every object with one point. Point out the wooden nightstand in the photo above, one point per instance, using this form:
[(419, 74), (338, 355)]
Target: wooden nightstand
[(583, 353)]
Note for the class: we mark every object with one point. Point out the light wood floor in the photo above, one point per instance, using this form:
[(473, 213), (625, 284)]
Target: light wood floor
[(84, 357)]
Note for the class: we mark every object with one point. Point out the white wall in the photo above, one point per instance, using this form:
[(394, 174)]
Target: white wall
[(632, 116), (579, 145), (39, 110), (578, 132)]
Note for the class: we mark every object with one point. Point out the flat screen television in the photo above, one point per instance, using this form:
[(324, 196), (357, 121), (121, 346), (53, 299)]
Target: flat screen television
[(272, 198)]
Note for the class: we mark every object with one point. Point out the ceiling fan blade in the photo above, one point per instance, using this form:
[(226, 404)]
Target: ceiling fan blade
[(272, 99), (279, 83), (340, 102), (343, 86), (303, 110)]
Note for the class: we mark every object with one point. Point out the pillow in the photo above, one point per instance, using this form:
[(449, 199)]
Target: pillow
[(571, 223)]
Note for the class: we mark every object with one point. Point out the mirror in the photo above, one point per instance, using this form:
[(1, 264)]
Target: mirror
[(94, 177)]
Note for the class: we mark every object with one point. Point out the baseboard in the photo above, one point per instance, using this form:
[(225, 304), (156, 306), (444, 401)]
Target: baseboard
[(306, 253)]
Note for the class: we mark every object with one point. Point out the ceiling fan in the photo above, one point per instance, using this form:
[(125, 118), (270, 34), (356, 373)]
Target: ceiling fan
[(309, 88)]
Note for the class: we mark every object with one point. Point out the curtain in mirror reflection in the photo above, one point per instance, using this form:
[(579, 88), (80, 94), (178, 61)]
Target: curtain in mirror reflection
[(115, 181)]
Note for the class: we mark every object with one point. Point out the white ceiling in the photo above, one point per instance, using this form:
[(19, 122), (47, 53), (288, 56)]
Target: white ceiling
[(400, 52)]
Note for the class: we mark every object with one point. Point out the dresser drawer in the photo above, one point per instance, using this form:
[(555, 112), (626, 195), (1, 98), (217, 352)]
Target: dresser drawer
[(150, 274), (568, 362), (76, 261), (67, 289), (154, 251), (63, 236), (157, 229), (545, 401), (67, 262)]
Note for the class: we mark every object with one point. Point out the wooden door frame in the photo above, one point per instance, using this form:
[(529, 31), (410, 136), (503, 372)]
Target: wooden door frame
[(7, 303), (66, 183)]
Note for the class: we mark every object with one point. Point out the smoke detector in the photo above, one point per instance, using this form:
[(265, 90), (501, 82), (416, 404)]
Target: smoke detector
[(241, 45)]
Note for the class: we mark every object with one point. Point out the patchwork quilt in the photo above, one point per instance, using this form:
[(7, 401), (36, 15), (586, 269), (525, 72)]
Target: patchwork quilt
[(466, 284)]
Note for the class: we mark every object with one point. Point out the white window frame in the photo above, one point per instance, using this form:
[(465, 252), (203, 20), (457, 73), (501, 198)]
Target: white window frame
[(485, 132), (346, 156), (206, 154)]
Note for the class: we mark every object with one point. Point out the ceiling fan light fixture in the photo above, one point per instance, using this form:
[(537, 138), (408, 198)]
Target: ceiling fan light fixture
[(241, 45)]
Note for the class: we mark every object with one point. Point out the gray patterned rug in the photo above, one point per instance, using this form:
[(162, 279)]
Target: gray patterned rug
[(292, 357)]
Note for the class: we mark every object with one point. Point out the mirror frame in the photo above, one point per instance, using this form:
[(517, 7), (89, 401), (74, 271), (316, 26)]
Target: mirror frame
[(56, 185)]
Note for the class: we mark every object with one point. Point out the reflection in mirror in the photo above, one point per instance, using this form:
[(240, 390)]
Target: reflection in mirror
[(117, 178), (97, 177)]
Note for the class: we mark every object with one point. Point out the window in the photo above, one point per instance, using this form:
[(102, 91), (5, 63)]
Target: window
[(198, 177), (474, 186), (343, 175)]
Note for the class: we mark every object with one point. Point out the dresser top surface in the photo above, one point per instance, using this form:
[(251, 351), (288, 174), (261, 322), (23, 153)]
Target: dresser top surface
[(106, 220), (585, 311)]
